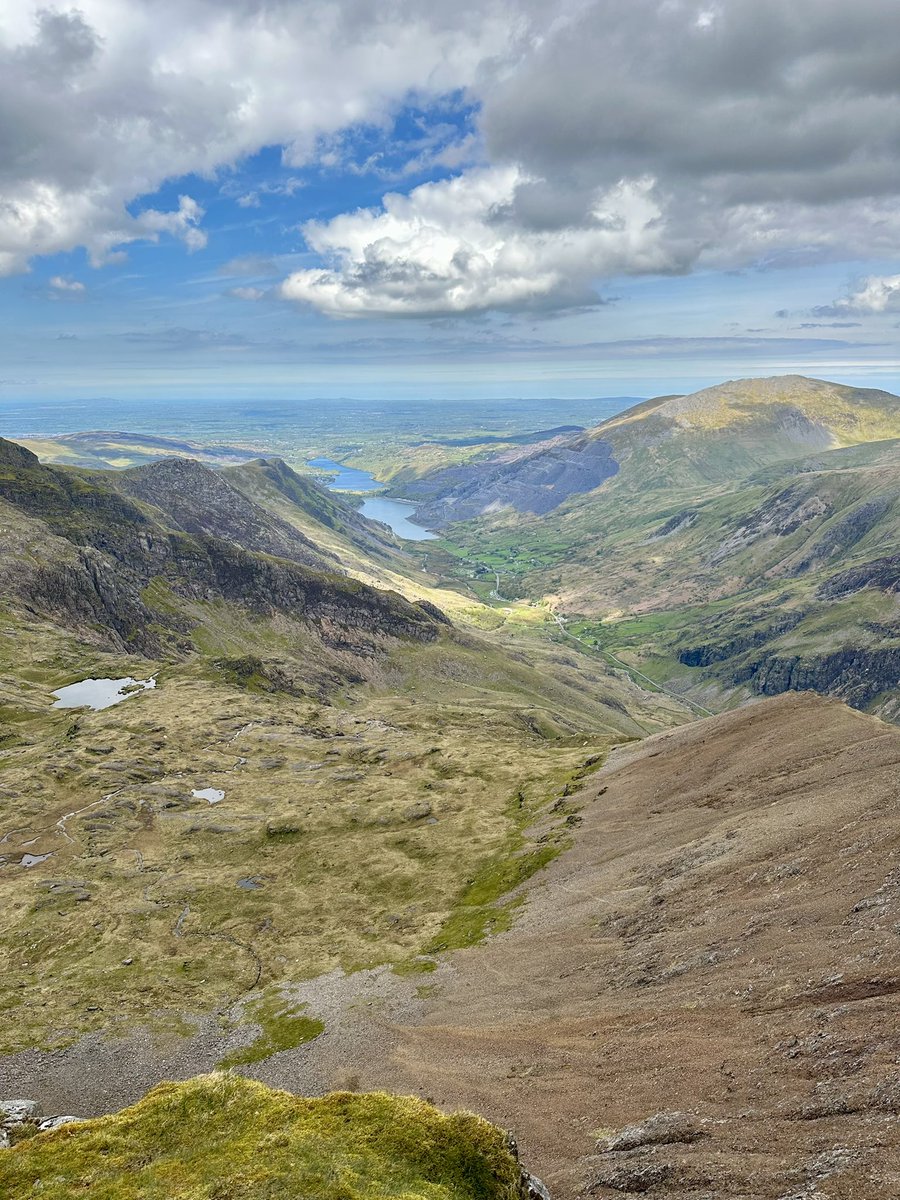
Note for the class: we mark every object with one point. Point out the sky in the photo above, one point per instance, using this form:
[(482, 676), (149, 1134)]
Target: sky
[(325, 198)]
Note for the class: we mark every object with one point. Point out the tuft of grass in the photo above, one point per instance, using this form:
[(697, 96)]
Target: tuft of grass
[(415, 966), (282, 1026), (223, 1137)]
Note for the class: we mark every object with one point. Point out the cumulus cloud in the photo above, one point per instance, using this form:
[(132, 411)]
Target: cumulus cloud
[(755, 132), (455, 247), (876, 294), (102, 102), (620, 136)]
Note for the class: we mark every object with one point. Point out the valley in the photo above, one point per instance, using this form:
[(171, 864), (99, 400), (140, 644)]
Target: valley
[(485, 818)]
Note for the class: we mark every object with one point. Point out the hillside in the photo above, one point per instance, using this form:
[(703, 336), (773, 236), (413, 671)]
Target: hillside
[(717, 945), (745, 542), (711, 437)]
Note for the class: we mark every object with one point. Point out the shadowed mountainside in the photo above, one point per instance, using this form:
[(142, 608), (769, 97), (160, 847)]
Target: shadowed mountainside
[(123, 568)]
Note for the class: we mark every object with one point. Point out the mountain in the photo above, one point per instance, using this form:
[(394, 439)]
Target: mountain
[(710, 437), (93, 552), (321, 515), (745, 541), (196, 500), (532, 483)]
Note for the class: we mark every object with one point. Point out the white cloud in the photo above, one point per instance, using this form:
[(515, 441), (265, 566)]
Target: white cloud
[(104, 102), (60, 283), (770, 130), (876, 294), (183, 223), (454, 247), (246, 293)]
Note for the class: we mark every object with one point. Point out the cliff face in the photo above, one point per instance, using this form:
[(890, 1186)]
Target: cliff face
[(88, 555)]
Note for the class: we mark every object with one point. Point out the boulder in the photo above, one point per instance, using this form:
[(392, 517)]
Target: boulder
[(658, 1130), (55, 1122), (19, 1112)]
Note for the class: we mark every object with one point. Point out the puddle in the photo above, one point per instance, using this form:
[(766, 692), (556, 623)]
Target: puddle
[(100, 693), (250, 883), (210, 795), (32, 860)]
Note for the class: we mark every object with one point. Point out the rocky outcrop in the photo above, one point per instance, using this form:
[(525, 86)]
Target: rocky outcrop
[(20, 1119), (708, 653), (882, 573), (200, 501), (844, 533), (661, 1129), (858, 675), (675, 524)]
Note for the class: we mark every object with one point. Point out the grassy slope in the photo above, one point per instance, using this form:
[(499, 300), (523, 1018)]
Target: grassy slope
[(224, 1136)]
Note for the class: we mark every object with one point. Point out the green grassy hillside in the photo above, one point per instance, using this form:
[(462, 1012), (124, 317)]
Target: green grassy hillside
[(221, 1136)]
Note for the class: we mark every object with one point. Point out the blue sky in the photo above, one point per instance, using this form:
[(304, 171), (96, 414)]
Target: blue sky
[(192, 211)]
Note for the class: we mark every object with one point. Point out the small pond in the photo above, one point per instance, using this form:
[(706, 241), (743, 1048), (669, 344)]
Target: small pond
[(34, 860), (100, 693), (210, 795)]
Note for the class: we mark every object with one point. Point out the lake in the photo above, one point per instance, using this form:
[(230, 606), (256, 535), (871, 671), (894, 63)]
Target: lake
[(395, 513), (345, 479)]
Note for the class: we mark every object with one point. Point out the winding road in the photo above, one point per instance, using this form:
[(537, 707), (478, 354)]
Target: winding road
[(561, 622)]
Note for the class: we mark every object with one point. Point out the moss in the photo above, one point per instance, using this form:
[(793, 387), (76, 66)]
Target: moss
[(480, 909), (282, 1026), (222, 1137), (415, 966)]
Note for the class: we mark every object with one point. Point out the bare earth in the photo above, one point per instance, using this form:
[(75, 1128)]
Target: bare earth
[(722, 940)]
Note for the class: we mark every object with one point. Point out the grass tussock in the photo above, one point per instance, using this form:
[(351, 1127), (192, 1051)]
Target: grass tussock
[(222, 1137)]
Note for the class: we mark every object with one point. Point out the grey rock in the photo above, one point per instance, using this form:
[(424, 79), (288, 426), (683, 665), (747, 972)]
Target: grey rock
[(658, 1130), (55, 1122), (19, 1112), (418, 812), (629, 1177), (533, 1188)]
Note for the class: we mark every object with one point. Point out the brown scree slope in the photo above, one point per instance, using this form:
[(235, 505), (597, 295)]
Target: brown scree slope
[(721, 940)]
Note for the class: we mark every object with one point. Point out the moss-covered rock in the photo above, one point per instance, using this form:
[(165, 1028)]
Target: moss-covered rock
[(223, 1137)]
